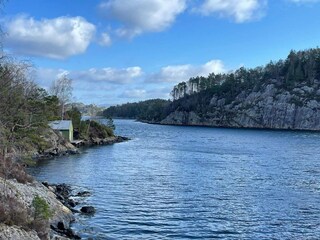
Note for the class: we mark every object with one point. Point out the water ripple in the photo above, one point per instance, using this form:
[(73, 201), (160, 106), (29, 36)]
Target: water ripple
[(197, 183)]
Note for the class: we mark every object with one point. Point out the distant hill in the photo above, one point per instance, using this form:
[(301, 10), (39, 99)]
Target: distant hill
[(280, 95), (86, 110)]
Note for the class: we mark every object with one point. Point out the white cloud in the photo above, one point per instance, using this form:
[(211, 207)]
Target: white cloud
[(45, 76), (134, 93), (91, 76), (179, 73), (138, 16), (239, 10), (109, 75), (105, 39), (57, 38), (119, 85)]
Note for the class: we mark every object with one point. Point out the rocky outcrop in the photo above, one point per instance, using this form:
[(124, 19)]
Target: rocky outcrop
[(105, 141), (270, 107), (14, 232), (24, 194), (56, 145)]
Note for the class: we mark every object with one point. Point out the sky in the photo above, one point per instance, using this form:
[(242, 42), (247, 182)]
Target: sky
[(118, 51)]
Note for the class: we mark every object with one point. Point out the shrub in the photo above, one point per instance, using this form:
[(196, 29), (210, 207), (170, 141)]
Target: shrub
[(94, 129), (41, 226), (12, 212), (41, 208), (13, 170), (42, 213)]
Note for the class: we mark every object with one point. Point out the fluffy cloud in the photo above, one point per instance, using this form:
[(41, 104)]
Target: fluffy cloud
[(105, 39), (119, 85), (138, 16), (134, 93), (239, 10), (57, 38), (91, 76), (181, 73), (109, 75), (139, 94)]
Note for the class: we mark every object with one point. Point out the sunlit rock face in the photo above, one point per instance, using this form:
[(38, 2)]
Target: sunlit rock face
[(270, 107)]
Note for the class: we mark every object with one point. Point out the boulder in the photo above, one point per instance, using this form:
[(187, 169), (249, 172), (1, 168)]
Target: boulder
[(83, 194), (88, 210)]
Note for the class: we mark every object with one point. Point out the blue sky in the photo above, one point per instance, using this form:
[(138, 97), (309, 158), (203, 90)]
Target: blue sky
[(119, 51)]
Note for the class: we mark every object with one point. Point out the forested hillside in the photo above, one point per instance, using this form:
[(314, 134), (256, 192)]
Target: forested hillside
[(28, 208), (280, 95), (25, 108), (150, 110)]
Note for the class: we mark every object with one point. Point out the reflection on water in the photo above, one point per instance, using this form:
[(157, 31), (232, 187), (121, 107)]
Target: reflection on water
[(197, 183)]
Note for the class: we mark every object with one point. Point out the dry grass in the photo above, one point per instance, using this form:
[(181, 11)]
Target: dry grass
[(13, 212), (13, 170)]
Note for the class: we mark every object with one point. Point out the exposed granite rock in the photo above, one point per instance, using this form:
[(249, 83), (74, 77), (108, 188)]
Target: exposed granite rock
[(16, 233), (270, 107), (25, 193), (57, 146), (105, 141)]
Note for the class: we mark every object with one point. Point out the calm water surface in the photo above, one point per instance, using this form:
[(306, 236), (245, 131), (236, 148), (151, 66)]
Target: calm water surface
[(174, 182)]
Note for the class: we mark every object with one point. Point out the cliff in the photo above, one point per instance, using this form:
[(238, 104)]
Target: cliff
[(271, 107), (280, 95), (283, 94)]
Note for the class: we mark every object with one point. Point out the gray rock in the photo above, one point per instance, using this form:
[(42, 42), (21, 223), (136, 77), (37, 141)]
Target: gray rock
[(16, 233), (269, 107), (88, 210), (25, 193), (307, 89)]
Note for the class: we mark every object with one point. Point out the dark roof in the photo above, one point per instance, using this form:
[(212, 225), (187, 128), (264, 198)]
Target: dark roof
[(60, 125)]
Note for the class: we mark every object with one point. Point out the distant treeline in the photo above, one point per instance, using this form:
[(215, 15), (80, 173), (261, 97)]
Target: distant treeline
[(150, 110), (302, 67)]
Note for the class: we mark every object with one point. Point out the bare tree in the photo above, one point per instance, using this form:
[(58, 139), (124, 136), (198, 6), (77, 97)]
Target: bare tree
[(62, 88)]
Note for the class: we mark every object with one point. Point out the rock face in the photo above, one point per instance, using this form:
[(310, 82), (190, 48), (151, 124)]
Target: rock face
[(24, 194), (57, 146), (270, 107), (13, 232), (104, 141), (186, 88)]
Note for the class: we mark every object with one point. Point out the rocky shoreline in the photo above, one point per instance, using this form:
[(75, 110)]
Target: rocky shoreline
[(69, 149), (65, 194), (71, 199), (270, 107), (65, 201), (62, 199)]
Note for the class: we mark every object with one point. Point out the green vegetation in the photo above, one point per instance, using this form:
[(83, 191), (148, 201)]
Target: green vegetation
[(26, 108), (93, 129), (300, 68), (41, 208), (150, 110), (14, 213), (74, 115), (89, 128)]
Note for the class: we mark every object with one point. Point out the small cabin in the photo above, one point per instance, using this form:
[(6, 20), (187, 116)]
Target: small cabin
[(65, 127)]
